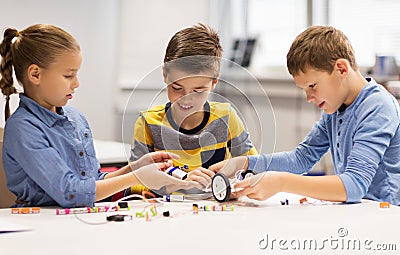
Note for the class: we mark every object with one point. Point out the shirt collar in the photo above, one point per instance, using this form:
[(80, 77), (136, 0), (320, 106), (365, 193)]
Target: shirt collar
[(188, 131), (46, 116), (360, 97)]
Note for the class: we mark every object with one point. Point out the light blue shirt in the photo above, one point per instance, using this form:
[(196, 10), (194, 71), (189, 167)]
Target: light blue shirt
[(49, 158), (364, 141)]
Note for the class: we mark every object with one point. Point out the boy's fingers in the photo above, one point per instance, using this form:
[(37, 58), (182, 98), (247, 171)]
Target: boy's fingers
[(217, 167), (243, 184), (203, 181), (195, 184), (244, 187), (243, 192), (206, 173)]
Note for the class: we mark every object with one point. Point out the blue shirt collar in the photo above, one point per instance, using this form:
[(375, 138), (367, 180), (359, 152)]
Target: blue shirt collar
[(361, 96), (48, 117)]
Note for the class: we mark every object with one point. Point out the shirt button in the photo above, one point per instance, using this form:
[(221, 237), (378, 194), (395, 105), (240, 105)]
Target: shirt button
[(83, 173), (71, 196), (340, 121), (86, 135), (81, 153), (337, 145), (338, 133)]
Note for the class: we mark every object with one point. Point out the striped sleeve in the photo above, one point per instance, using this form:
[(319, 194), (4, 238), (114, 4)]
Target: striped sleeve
[(142, 142), (239, 142)]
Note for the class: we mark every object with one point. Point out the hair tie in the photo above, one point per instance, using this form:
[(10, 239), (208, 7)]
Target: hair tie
[(17, 34)]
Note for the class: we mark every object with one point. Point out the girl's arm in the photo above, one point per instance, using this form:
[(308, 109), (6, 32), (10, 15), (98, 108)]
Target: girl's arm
[(123, 170), (113, 183)]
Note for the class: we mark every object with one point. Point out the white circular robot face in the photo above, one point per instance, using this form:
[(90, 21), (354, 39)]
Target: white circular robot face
[(220, 187)]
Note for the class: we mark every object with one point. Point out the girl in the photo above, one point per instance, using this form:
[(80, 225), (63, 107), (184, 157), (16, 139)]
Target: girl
[(48, 152)]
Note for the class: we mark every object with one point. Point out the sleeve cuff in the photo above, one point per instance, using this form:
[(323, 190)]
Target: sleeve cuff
[(86, 193), (353, 192), (257, 163)]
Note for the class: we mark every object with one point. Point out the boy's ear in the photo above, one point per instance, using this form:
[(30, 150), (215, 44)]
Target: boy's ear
[(214, 83), (164, 73), (34, 74), (342, 65)]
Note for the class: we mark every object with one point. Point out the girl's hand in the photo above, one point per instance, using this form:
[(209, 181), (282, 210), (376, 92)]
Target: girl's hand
[(154, 157), (153, 177)]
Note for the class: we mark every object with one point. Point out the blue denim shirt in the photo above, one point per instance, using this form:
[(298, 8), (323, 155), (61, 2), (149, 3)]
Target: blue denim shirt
[(364, 141), (49, 158)]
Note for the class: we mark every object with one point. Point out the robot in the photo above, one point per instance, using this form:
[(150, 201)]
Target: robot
[(222, 187)]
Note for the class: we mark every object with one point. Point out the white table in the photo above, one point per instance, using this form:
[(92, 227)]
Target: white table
[(111, 152), (243, 231)]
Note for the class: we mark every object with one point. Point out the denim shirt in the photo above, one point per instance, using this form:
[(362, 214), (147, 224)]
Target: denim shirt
[(49, 158), (364, 141)]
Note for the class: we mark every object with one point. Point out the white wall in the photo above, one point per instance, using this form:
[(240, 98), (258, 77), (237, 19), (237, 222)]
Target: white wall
[(94, 23), (146, 28), (121, 41)]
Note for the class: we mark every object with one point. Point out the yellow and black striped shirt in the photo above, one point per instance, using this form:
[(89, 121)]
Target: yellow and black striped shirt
[(220, 135)]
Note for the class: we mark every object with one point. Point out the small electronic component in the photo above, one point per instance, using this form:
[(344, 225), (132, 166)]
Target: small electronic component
[(196, 208), (176, 172), (384, 205), (80, 210), (153, 211), (123, 205), (119, 217), (285, 202), (25, 210), (221, 187), (247, 174), (303, 200), (174, 198)]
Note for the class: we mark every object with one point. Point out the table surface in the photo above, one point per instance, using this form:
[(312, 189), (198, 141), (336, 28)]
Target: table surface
[(254, 227), (109, 152)]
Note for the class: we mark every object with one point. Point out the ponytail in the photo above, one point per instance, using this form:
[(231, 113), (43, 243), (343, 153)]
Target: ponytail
[(6, 68)]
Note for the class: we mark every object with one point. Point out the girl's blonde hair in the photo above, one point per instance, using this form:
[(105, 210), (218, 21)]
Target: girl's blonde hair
[(39, 44)]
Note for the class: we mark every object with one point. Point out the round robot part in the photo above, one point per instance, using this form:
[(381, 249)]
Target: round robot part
[(220, 187), (248, 174)]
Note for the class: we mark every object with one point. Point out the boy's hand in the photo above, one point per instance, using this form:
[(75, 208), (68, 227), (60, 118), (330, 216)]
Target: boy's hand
[(230, 166), (153, 157), (260, 186), (200, 175)]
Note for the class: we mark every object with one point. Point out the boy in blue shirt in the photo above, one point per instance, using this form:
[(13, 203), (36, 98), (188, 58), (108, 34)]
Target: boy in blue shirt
[(359, 125)]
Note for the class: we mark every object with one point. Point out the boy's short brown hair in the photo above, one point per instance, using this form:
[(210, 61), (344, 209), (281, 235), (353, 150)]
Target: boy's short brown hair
[(319, 47), (194, 49)]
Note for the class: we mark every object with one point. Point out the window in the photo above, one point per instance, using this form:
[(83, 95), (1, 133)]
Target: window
[(276, 24), (371, 25)]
